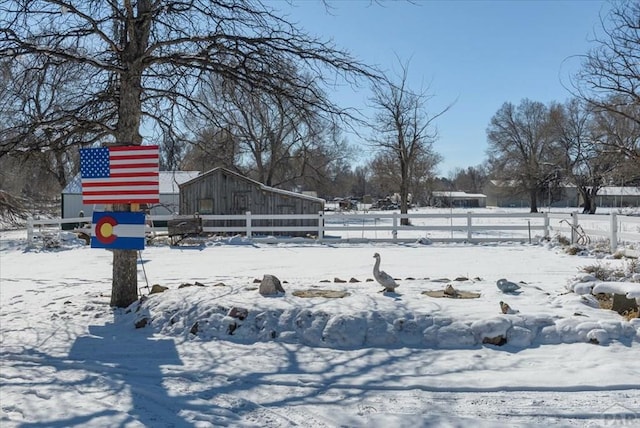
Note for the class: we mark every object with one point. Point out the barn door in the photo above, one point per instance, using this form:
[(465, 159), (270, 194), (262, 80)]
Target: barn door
[(240, 202)]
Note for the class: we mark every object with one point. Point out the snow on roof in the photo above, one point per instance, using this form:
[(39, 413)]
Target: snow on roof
[(619, 191), (603, 191), (264, 186), (458, 195), (169, 182), (504, 183), (292, 194)]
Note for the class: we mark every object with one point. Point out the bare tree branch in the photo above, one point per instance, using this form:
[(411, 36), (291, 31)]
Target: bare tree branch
[(404, 130)]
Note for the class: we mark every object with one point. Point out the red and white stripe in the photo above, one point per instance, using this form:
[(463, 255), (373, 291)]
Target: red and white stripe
[(133, 178)]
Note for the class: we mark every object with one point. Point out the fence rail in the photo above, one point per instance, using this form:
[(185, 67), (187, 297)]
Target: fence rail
[(469, 227)]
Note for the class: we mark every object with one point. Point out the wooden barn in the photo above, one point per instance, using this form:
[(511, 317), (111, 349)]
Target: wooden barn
[(223, 192)]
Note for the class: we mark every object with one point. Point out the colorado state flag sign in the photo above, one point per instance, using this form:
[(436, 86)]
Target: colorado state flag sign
[(118, 230)]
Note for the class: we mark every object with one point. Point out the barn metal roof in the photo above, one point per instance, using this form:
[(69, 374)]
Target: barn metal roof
[(258, 184), (458, 195)]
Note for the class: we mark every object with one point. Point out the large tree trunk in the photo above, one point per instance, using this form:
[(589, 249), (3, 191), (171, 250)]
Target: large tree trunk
[(533, 197), (589, 202), (404, 207), (124, 287), (124, 290)]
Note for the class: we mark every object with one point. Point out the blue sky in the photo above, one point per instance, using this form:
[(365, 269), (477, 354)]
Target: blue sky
[(478, 54)]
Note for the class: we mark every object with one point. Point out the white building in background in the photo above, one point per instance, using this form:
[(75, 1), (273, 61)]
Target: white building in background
[(459, 199), (504, 194), (618, 196), (169, 195)]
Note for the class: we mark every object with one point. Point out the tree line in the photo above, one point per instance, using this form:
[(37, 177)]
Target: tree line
[(232, 83), (291, 137), (590, 141)]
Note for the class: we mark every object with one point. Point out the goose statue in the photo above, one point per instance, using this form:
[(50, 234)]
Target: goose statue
[(507, 286), (506, 309), (382, 277)]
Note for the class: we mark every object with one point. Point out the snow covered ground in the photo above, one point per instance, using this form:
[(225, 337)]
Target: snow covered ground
[(217, 353)]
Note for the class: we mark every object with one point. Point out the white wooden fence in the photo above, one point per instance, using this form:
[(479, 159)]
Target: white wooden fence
[(469, 227)]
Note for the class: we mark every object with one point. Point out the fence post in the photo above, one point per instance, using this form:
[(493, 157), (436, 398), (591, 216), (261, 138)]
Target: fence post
[(320, 225), (30, 230), (248, 224), (394, 232), (546, 225), (60, 221), (469, 221), (574, 227), (613, 233)]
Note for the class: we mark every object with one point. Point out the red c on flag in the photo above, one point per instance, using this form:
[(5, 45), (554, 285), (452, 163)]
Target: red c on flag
[(104, 230)]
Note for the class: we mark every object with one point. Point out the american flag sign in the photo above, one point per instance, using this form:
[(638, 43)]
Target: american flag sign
[(120, 175)]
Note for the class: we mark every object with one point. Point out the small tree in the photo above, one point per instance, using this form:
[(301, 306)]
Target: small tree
[(521, 147), (581, 158), (404, 132), (470, 180), (211, 148), (278, 144)]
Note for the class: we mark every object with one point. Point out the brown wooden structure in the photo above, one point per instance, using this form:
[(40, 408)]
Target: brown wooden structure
[(181, 227), (224, 192)]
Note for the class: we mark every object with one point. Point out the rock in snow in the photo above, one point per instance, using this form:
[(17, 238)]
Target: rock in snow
[(270, 286)]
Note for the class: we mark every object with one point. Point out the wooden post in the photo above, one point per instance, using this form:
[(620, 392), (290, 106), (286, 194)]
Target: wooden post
[(574, 228), (469, 221), (248, 224), (30, 230), (546, 225), (59, 229), (613, 232), (320, 225), (394, 232)]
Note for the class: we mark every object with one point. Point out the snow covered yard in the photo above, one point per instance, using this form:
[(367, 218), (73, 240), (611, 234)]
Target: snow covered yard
[(367, 359)]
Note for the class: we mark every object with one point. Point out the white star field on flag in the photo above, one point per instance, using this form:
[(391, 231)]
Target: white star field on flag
[(120, 174), (94, 163)]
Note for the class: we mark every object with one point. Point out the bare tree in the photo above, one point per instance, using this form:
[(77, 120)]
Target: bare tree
[(384, 179), (12, 210), (609, 79), (470, 180), (37, 121), (144, 59), (620, 132), (423, 178), (324, 165), (278, 144), (618, 136), (212, 148), (582, 160), (521, 147), (361, 177), (404, 131)]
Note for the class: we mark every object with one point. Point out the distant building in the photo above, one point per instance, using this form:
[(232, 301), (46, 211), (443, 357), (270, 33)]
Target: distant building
[(505, 194), (618, 196), (459, 199)]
